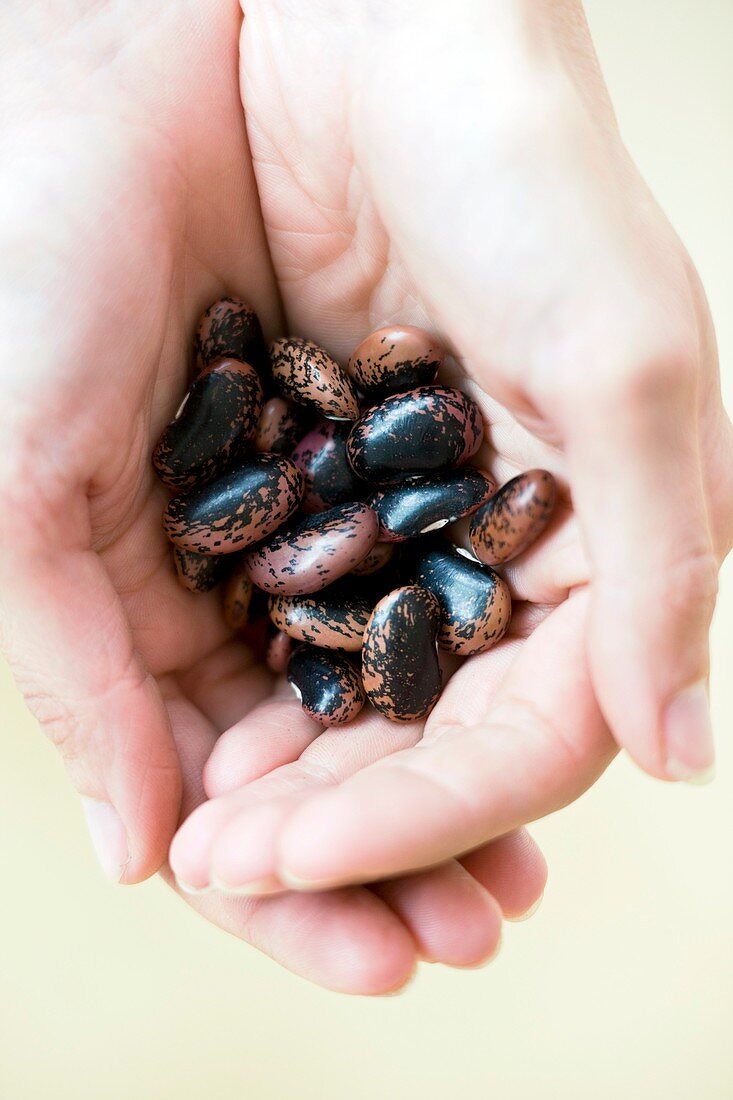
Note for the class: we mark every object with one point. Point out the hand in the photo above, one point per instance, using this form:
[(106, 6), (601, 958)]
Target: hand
[(465, 172), (131, 206)]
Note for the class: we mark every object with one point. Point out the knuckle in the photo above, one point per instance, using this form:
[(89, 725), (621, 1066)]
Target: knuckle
[(657, 377), (629, 365), (690, 584)]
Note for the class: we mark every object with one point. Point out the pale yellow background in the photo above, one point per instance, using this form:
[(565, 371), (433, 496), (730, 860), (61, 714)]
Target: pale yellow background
[(622, 986)]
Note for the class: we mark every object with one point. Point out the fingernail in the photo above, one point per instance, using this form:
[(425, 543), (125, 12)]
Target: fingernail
[(187, 888), (529, 912), (109, 838), (688, 736), (259, 887), (304, 885)]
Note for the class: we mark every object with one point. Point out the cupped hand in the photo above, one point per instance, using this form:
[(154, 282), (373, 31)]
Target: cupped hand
[(464, 171), (131, 205)]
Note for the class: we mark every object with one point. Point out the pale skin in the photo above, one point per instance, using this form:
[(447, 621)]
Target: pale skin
[(493, 203)]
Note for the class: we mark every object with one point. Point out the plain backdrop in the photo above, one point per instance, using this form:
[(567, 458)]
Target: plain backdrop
[(622, 985)]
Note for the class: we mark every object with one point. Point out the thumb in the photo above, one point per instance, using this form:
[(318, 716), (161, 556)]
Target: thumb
[(634, 461), (70, 649)]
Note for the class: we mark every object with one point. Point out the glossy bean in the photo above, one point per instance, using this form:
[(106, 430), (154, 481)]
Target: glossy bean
[(214, 425), (306, 373), (328, 685), (513, 518), (237, 597), (428, 429), (426, 504), (379, 556), (321, 458), (395, 359), (400, 668), (198, 572), (279, 649), (230, 329), (475, 604), (280, 426), (239, 508), (335, 618), (315, 552)]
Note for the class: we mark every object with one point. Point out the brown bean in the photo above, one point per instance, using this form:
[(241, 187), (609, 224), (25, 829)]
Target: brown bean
[(425, 504), (328, 685), (335, 618), (306, 373), (280, 426), (315, 552), (513, 518), (400, 667), (279, 648), (475, 604), (394, 359), (214, 425), (426, 430), (379, 555), (239, 508), (230, 328), (237, 597), (198, 572)]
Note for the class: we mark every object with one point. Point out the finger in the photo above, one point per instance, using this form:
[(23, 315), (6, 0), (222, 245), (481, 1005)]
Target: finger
[(481, 771), (227, 683), (230, 840), (716, 434), (549, 569), (250, 750), (635, 466), (514, 872), (453, 919), (346, 940), (72, 655), (448, 913)]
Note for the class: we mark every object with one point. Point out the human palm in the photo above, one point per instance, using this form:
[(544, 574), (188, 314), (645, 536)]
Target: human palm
[(158, 209), (145, 168), (497, 203)]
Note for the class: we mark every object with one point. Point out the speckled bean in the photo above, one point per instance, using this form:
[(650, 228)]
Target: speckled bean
[(394, 359), (335, 618), (315, 552), (430, 428), (281, 425), (239, 508), (513, 518), (422, 505), (279, 648), (230, 328), (379, 556), (198, 572), (400, 668), (475, 604), (321, 458), (328, 685), (237, 597), (214, 425), (306, 373)]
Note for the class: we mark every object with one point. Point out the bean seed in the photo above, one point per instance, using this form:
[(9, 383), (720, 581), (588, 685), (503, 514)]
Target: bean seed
[(400, 667), (315, 552), (329, 686), (428, 429), (513, 518)]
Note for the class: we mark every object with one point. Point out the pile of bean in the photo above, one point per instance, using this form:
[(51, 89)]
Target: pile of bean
[(320, 487)]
